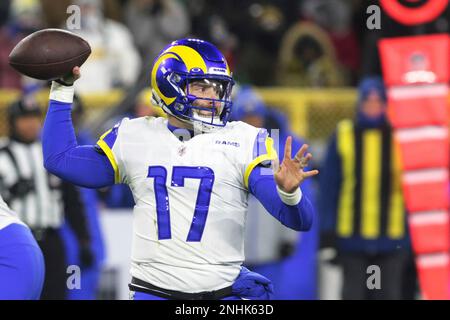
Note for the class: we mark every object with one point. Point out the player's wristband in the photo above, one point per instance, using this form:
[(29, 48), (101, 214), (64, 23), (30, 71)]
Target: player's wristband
[(61, 93), (291, 199)]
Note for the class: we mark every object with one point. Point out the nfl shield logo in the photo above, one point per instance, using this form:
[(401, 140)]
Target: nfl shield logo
[(181, 151)]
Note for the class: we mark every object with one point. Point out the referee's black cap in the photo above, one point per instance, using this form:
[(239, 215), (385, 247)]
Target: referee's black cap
[(23, 108)]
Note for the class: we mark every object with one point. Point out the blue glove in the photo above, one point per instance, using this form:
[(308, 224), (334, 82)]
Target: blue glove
[(251, 285)]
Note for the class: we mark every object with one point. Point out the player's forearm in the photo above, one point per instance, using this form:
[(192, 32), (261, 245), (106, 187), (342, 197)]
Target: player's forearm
[(297, 215), (81, 165)]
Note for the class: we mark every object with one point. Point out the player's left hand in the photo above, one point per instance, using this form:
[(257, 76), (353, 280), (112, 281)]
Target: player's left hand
[(290, 174)]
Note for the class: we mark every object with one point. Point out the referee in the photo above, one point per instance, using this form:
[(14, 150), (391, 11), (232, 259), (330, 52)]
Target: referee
[(41, 200)]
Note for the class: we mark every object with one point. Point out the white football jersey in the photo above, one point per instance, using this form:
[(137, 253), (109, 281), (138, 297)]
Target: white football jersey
[(6, 215), (191, 199)]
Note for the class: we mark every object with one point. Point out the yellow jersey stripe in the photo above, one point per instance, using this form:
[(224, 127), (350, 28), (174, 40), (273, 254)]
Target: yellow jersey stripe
[(102, 144)]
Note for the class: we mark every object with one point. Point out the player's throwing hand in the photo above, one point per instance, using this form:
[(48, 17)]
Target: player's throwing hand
[(290, 174), (69, 79)]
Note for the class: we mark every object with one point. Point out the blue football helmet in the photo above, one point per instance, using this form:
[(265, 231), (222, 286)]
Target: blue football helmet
[(189, 62)]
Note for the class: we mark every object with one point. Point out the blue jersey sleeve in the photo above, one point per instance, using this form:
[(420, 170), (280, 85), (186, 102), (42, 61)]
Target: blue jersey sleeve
[(263, 187), (86, 166)]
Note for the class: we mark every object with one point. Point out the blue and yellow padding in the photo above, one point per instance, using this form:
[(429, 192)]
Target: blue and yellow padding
[(106, 143), (263, 150)]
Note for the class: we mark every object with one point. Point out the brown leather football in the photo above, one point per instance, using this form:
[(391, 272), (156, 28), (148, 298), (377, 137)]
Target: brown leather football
[(49, 54)]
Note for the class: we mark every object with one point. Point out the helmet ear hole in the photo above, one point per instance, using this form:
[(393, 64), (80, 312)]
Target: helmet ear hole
[(179, 107), (176, 78)]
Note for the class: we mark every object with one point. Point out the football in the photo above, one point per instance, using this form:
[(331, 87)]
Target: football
[(49, 54)]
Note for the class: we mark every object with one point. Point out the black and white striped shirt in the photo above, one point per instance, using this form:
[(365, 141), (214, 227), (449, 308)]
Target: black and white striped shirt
[(30, 191), (6, 215)]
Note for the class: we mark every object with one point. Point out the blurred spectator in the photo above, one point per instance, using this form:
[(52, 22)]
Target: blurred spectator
[(141, 106), (307, 58), (335, 17), (113, 9), (41, 200), (114, 61), (362, 211), (25, 17), (4, 11), (249, 37), (154, 23), (54, 12), (284, 255), (91, 274)]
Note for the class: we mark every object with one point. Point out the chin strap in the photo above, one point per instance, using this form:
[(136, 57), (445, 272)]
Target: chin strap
[(156, 100)]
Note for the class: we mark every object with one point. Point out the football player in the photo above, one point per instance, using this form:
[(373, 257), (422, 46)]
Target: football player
[(190, 176), (21, 261)]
